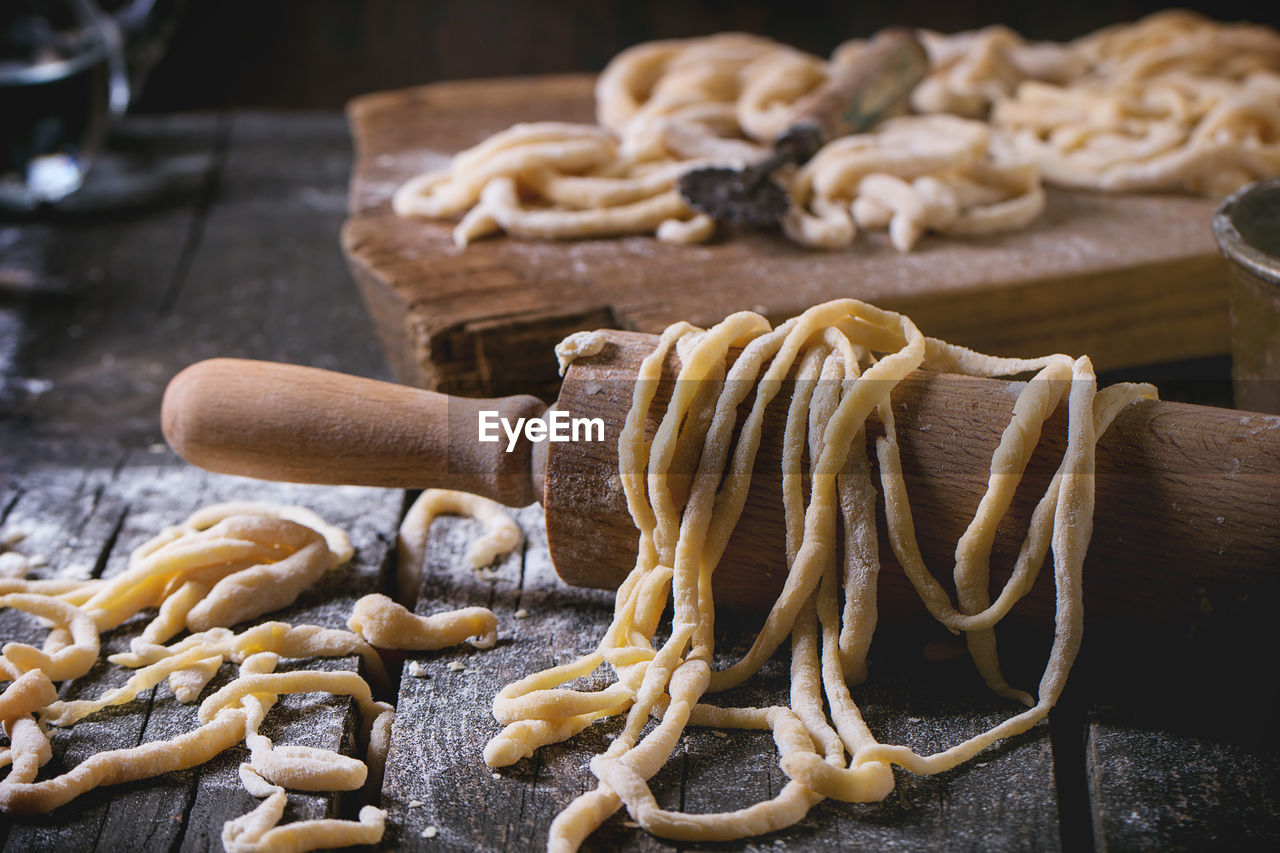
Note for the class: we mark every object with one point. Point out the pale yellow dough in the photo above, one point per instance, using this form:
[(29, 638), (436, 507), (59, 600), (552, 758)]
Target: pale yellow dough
[(502, 534), (579, 345), (1172, 102), (667, 107), (846, 358), (389, 625), (224, 564)]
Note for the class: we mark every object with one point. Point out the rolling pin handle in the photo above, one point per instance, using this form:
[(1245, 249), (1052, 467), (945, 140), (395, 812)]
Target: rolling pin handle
[(305, 425), (863, 87)]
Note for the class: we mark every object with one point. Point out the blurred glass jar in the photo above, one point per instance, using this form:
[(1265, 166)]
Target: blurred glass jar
[(145, 28), (1247, 227), (62, 78)]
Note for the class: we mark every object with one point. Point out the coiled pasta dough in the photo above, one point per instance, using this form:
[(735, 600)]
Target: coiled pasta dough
[(667, 107), (1172, 102)]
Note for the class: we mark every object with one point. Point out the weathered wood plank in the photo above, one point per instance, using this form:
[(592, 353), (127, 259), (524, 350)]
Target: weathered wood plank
[(108, 343), (57, 488), (70, 523), (268, 280), (1182, 751), (236, 255), (1005, 799), (96, 276), (78, 825), (309, 719), (216, 794), (1156, 788), (439, 712)]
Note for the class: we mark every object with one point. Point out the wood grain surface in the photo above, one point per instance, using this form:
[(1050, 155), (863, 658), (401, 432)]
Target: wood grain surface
[(214, 235), (1127, 279)]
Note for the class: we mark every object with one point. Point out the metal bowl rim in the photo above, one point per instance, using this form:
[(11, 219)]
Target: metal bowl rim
[(1233, 246)]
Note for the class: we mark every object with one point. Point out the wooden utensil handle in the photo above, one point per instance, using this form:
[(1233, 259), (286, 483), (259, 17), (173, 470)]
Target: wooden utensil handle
[(305, 425), (863, 87)]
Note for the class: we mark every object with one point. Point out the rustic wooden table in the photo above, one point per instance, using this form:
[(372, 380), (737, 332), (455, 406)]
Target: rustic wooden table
[(204, 235)]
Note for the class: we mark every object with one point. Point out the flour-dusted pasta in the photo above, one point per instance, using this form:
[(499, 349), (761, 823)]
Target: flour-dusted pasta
[(389, 625), (1179, 41), (845, 357), (1176, 131), (915, 174), (1172, 102), (975, 69), (668, 107), (223, 565), (502, 534)]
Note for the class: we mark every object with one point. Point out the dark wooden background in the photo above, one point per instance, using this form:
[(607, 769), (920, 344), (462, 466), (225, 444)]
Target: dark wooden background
[(320, 53)]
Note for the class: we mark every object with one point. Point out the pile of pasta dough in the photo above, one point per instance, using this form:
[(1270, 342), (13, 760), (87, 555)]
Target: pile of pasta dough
[(1173, 102), (225, 565), (845, 358)]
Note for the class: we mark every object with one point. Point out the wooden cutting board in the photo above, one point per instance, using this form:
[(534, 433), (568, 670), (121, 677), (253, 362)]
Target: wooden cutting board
[(1128, 279)]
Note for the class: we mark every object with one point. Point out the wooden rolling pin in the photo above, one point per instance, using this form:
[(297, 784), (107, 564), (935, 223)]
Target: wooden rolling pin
[(1186, 522)]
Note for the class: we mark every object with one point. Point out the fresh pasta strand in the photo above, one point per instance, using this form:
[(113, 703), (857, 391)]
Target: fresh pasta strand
[(268, 553), (502, 535), (846, 357), (389, 625), (1172, 132)]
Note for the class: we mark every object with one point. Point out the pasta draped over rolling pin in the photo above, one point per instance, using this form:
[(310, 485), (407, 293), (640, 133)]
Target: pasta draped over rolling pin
[(845, 358), (1172, 102)]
